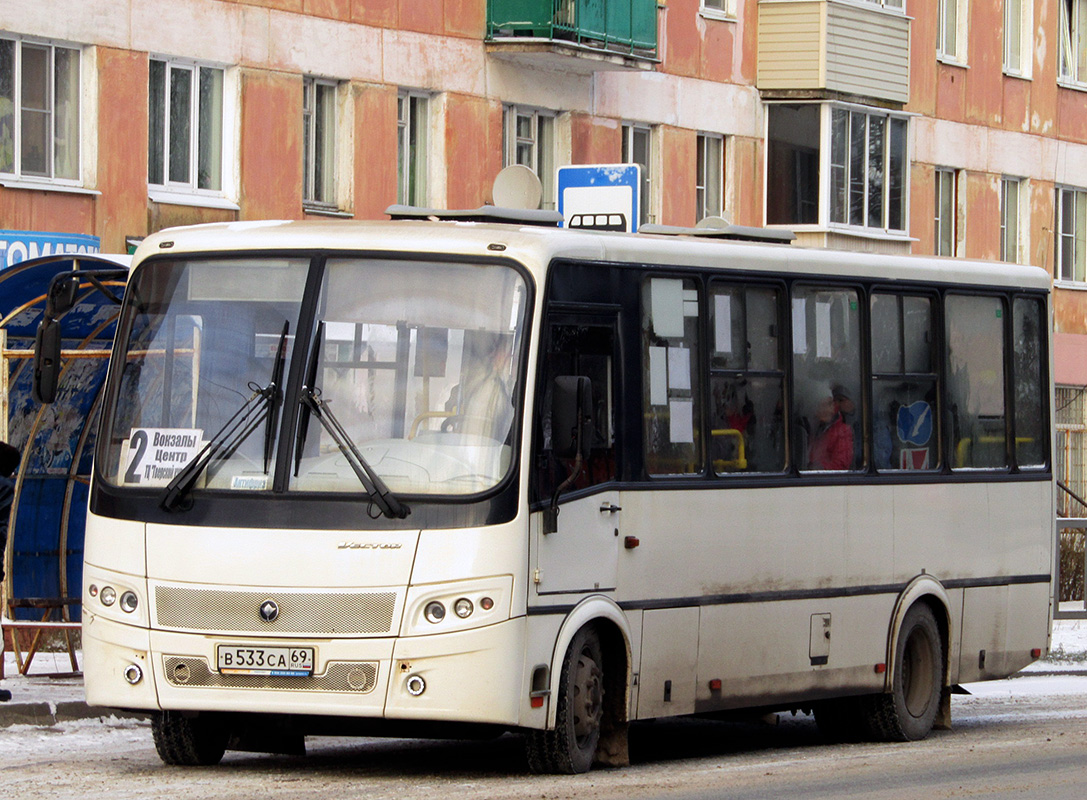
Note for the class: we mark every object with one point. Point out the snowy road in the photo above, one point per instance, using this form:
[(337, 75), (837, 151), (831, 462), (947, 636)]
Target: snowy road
[(1025, 737)]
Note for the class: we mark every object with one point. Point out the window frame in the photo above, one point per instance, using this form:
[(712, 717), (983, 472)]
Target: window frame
[(1011, 212), (1076, 239), (542, 142), (1072, 52), (75, 132), (632, 131), (718, 9), (951, 204), (952, 52), (413, 120), (191, 187), (314, 150), (888, 134), (1017, 51), (704, 186)]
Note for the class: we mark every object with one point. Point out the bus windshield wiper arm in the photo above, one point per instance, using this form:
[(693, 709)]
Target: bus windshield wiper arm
[(263, 404), (311, 402)]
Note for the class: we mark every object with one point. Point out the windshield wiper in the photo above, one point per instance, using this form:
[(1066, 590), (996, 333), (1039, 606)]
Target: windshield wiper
[(263, 404), (311, 402)]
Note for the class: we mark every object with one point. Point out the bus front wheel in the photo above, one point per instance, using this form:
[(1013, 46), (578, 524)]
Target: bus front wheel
[(908, 711), (188, 740), (571, 747)]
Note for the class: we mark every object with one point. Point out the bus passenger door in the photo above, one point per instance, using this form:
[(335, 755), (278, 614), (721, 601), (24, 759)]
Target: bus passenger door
[(581, 556)]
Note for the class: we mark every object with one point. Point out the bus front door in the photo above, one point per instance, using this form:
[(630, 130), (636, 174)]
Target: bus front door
[(581, 555)]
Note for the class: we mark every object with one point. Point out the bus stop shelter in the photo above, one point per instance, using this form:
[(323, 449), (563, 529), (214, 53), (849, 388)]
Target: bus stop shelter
[(44, 554)]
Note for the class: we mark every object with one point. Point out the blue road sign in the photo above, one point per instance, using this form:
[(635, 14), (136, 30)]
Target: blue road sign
[(600, 196)]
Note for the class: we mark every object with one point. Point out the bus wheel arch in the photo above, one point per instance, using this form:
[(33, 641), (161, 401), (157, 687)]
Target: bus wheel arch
[(917, 694), (592, 653)]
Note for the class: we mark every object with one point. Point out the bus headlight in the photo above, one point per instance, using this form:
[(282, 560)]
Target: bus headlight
[(108, 595), (129, 601), (463, 608), (434, 612)]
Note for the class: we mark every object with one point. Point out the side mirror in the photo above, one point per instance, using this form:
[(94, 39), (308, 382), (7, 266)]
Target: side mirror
[(571, 416), (63, 291), (46, 361)]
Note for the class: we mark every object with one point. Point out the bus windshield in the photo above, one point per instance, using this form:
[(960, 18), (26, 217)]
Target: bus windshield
[(415, 362)]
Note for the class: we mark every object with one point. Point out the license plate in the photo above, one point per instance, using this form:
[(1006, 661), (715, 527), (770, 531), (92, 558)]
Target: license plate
[(244, 660)]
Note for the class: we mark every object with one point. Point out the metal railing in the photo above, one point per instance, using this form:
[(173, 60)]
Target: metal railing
[(626, 26), (1071, 571)]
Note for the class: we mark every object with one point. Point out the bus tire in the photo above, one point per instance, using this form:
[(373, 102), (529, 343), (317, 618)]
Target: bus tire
[(908, 711), (196, 741), (571, 747)]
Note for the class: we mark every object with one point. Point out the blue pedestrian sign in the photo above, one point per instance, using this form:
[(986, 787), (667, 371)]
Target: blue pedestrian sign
[(600, 196)]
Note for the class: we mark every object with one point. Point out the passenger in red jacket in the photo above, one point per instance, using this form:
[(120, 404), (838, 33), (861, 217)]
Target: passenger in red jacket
[(832, 444)]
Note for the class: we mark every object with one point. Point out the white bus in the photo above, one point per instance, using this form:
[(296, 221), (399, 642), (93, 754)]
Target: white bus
[(433, 477)]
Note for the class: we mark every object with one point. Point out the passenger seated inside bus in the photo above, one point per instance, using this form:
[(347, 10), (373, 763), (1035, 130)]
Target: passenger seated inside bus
[(831, 445), (482, 401)]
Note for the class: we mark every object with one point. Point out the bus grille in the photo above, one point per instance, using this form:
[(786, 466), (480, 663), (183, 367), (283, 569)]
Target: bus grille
[(340, 676), (218, 610)]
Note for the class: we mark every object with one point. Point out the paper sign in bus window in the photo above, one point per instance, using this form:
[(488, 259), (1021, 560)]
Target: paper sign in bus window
[(800, 327), (679, 369), (681, 421), (722, 323), (822, 331), (155, 455), (658, 376), (666, 297)]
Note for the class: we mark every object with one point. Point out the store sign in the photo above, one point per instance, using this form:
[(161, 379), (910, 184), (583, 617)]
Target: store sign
[(19, 246)]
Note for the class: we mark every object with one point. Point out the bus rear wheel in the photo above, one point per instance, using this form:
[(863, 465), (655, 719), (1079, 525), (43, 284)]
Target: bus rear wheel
[(188, 741), (908, 711), (571, 747)]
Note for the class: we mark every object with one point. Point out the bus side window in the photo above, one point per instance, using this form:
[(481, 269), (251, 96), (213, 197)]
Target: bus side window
[(976, 417), (670, 376), (1028, 375), (826, 372), (904, 396), (747, 380)]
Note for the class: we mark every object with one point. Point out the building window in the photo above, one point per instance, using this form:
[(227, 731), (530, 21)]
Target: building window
[(319, 142), (528, 138), (185, 126), (411, 163), (946, 204), (39, 110), (1009, 219), (710, 176), (719, 8), (1072, 235), (1073, 32), (867, 169), (637, 149), (947, 33), (1016, 23)]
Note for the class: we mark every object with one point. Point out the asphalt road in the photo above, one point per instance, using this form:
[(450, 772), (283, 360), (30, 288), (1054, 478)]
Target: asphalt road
[(1004, 744)]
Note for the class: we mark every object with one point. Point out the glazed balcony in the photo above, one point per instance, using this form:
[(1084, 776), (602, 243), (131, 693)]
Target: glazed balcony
[(834, 48)]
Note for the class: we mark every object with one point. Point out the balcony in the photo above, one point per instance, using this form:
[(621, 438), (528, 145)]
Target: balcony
[(575, 35), (833, 49)]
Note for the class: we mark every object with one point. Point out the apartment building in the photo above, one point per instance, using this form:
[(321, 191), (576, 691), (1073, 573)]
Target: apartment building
[(956, 127)]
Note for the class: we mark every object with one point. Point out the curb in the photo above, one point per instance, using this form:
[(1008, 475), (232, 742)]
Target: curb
[(49, 714)]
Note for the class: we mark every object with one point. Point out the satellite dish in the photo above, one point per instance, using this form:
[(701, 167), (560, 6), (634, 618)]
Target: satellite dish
[(713, 222), (517, 187)]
